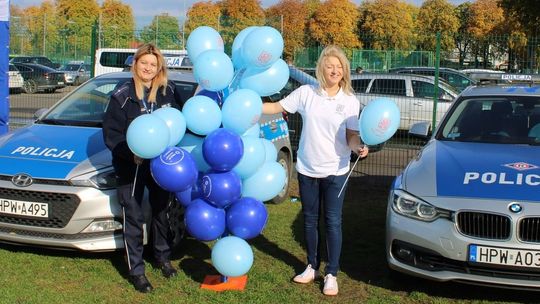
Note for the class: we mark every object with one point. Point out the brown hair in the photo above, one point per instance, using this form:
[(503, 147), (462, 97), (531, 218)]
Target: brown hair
[(160, 80), (335, 51)]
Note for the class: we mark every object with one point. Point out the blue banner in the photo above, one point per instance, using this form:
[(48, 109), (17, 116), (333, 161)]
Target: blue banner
[(4, 66)]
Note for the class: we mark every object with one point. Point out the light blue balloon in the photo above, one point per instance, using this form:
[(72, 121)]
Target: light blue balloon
[(254, 131), (262, 47), (241, 110), (253, 157), (202, 39), (147, 136), (194, 145), (266, 183), (378, 121), (202, 114), (266, 82), (175, 121), (269, 150), (232, 256), (213, 70), (236, 51)]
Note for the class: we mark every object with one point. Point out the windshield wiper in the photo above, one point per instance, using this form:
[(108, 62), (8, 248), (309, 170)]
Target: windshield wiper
[(49, 121)]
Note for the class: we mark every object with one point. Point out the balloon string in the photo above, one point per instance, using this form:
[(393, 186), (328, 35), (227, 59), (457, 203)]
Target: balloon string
[(348, 175), (135, 180)]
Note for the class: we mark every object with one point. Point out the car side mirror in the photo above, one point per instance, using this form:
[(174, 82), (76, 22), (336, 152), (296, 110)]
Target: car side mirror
[(39, 113)]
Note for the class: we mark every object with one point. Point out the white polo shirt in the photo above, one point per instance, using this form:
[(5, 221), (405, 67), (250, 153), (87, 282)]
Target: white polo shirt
[(323, 148)]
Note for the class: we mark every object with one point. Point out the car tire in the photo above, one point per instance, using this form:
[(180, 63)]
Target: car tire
[(284, 160), (76, 82), (30, 86)]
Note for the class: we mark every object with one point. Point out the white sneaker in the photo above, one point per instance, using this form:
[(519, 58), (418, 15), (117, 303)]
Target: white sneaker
[(330, 285), (307, 276)]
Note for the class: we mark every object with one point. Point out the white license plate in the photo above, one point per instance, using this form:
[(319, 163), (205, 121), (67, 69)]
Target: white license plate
[(32, 209), (504, 256), (60, 82)]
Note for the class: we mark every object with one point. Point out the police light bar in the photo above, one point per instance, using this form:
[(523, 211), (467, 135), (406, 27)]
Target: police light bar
[(504, 77)]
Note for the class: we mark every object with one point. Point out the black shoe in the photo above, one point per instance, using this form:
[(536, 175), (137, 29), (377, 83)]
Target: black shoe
[(140, 282), (167, 269)]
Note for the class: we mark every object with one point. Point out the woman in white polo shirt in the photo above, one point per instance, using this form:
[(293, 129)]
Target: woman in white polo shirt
[(329, 132)]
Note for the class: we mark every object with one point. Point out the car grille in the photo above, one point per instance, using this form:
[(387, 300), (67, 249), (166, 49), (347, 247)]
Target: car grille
[(61, 207), (529, 229), (40, 181), (484, 225)]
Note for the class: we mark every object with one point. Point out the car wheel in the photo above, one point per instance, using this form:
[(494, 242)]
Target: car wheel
[(284, 160), (76, 82), (30, 86)]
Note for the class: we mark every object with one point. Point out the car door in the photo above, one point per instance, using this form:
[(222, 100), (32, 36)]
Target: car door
[(396, 90), (423, 92)]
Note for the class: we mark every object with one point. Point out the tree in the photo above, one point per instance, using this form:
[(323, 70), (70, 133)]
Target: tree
[(236, 15), (116, 24), (164, 32), (486, 18), (526, 11), (294, 24), (202, 13), (463, 38), (334, 22), (437, 16)]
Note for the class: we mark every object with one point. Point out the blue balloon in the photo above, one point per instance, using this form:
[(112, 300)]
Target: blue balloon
[(222, 149), (202, 115), (213, 70), (204, 221), (266, 183), (219, 97), (174, 170), (184, 197), (268, 81), (232, 256), (262, 47), (202, 39), (221, 188), (246, 218), (378, 121), (147, 136), (254, 131), (270, 150), (193, 144), (175, 121), (241, 110), (253, 158), (236, 51)]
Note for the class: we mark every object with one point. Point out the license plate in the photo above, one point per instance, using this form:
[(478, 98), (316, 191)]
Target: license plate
[(32, 209), (504, 256), (60, 82)]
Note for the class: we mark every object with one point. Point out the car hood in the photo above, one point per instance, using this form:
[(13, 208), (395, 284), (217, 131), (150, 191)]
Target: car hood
[(458, 169), (55, 152)]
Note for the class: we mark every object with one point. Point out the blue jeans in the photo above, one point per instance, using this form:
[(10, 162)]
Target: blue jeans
[(314, 193)]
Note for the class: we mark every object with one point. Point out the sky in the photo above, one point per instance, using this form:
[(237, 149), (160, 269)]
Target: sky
[(145, 10)]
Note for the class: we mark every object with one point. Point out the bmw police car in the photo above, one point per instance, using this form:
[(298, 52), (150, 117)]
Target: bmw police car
[(467, 208), (57, 184)]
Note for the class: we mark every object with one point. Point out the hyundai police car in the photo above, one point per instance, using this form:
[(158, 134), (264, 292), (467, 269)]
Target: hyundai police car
[(467, 208), (57, 184)]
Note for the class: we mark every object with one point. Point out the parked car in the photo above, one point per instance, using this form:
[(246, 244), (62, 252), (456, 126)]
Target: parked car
[(57, 183), (35, 59), (467, 208), (16, 80), (413, 94), (453, 77), (75, 72), (38, 77)]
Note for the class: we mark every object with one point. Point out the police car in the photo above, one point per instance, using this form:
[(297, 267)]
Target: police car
[(57, 183), (467, 208)]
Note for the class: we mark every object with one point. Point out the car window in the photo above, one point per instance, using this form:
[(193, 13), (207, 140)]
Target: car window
[(389, 86), (422, 89), (23, 68), (360, 85)]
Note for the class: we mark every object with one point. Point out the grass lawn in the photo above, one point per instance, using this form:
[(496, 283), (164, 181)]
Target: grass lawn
[(30, 275)]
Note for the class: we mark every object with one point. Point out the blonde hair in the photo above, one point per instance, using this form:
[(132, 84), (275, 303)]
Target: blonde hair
[(160, 80), (335, 51)]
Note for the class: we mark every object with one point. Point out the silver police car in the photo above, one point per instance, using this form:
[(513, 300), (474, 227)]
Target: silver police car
[(467, 208)]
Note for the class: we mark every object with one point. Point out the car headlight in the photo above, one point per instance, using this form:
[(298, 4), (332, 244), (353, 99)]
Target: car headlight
[(103, 181), (409, 205)]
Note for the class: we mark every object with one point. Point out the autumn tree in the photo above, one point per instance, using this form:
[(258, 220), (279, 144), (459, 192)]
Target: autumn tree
[(75, 20), (526, 11), (463, 38), (294, 24), (164, 32), (486, 17), (202, 13), (334, 22), (236, 15), (116, 24), (387, 24), (439, 17)]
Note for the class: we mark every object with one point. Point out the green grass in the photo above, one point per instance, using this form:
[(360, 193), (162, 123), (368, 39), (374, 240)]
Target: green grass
[(30, 275)]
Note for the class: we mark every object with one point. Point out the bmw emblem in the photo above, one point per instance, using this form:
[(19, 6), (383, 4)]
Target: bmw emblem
[(515, 208)]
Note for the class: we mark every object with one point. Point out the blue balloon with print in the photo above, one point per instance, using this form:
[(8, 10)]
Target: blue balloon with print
[(174, 170), (202, 115), (222, 149), (266, 183), (253, 158), (202, 39), (204, 221), (232, 256), (268, 81), (213, 70), (147, 136), (246, 218), (262, 47), (176, 123), (378, 121), (221, 188), (241, 110), (236, 51)]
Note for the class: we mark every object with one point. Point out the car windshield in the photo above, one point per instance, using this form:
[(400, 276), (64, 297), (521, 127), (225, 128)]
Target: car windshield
[(70, 67), (500, 119)]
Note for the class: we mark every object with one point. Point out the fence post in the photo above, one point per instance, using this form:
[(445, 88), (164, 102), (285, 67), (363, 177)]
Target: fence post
[(93, 49), (436, 87)]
